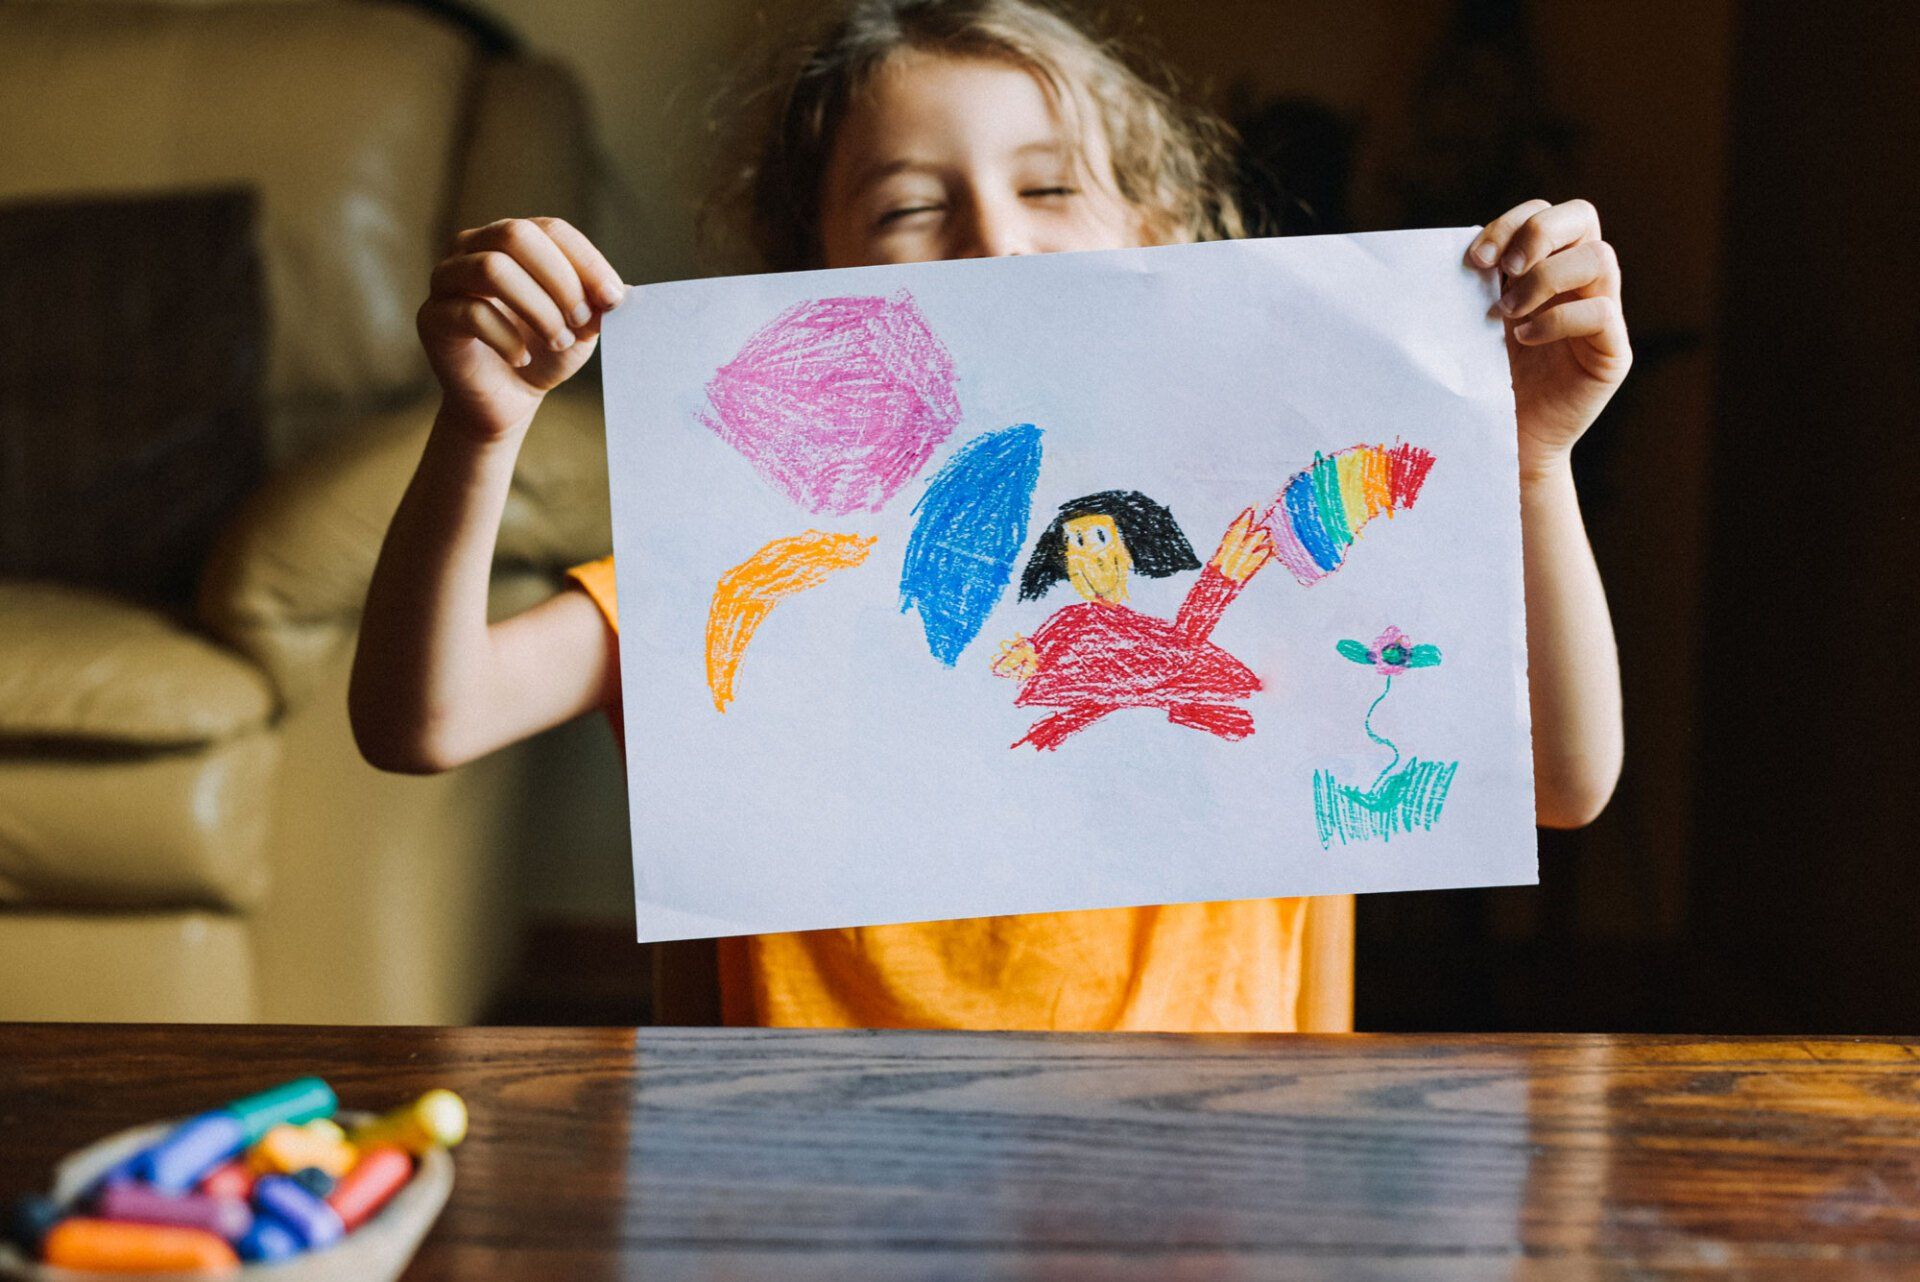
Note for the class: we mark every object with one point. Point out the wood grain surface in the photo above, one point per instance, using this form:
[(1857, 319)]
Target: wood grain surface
[(607, 1153)]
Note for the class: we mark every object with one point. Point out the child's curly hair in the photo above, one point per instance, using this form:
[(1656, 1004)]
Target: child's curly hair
[(1172, 162)]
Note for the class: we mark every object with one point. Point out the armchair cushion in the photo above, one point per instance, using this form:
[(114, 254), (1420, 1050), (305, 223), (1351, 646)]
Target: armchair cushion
[(97, 828), (287, 582), (77, 667)]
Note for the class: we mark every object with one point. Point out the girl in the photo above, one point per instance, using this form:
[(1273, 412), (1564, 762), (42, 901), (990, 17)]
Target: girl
[(917, 130)]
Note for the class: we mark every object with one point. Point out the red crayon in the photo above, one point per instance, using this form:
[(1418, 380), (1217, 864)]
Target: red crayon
[(380, 1173), (234, 1179)]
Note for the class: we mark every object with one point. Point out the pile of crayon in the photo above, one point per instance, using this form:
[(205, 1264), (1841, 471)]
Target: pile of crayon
[(262, 1179)]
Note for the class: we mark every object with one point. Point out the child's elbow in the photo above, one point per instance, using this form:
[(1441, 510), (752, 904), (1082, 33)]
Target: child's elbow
[(1576, 800), (390, 744)]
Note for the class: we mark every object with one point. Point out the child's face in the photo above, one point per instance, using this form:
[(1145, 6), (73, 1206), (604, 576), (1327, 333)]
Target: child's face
[(949, 157)]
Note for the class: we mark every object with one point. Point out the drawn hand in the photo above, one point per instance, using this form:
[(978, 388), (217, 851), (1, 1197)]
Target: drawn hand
[(1017, 659), (1243, 549), (1566, 333), (514, 311)]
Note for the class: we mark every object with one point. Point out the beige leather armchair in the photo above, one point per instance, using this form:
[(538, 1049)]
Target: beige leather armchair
[(186, 829)]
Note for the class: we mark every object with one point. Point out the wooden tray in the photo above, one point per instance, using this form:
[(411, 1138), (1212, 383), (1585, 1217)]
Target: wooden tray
[(377, 1251)]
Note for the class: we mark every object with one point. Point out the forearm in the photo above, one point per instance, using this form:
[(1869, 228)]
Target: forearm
[(424, 665), (1573, 669)]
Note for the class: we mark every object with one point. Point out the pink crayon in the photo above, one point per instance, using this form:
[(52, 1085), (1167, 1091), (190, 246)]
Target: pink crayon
[(223, 1217)]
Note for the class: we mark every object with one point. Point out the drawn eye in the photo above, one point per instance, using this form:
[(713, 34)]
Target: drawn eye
[(1076, 539), (1100, 538)]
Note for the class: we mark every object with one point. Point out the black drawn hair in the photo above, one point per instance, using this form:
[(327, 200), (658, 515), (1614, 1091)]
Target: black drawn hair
[(1152, 536)]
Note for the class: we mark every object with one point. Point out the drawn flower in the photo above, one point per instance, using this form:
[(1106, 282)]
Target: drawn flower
[(1393, 652)]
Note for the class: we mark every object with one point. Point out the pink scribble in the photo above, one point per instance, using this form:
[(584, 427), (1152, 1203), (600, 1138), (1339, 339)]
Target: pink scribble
[(838, 402)]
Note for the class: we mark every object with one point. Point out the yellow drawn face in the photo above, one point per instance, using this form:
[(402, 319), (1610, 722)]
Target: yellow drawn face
[(1097, 558)]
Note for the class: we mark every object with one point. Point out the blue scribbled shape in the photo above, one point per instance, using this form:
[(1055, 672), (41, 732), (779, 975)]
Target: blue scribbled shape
[(972, 525)]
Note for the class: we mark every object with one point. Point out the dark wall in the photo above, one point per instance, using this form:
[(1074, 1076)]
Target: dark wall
[(1798, 868), (1807, 863)]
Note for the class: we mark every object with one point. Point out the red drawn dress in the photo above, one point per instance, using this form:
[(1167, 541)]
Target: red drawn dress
[(1097, 657)]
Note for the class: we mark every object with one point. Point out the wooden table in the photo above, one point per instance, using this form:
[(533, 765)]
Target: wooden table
[(603, 1153)]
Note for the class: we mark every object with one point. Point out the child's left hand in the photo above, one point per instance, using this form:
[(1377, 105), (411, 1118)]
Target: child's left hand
[(1566, 334)]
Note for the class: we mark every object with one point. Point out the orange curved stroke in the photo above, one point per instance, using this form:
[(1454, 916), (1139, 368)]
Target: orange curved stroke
[(746, 594)]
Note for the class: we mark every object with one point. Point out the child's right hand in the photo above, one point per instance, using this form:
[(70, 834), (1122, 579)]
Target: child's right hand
[(514, 311)]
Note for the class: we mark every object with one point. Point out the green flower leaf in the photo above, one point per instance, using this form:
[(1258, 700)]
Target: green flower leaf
[(1425, 656), (1355, 651)]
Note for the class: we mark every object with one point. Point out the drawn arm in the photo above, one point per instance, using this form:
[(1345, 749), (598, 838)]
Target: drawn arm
[(1243, 550)]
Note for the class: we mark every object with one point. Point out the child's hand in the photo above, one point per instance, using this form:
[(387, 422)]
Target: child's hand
[(1566, 334), (514, 311)]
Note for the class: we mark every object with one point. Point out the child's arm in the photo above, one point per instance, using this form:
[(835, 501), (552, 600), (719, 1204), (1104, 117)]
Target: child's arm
[(514, 312), (1567, 340)]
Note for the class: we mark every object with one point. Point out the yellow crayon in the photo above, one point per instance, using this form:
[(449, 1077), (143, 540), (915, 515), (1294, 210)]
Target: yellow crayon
[(436, 1119)]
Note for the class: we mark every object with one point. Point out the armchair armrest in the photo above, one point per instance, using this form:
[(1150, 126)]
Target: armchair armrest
[(286, 583)]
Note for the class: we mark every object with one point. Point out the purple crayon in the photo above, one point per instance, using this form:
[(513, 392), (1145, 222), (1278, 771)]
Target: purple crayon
[(226, 1217), (316, 1224)]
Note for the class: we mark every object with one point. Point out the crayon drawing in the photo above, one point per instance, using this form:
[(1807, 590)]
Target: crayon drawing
[(998, 586), (747, 593), (972, 525), (1098, 657), (837, 402), (1398, 800), (1102, 655), (1319, 512)]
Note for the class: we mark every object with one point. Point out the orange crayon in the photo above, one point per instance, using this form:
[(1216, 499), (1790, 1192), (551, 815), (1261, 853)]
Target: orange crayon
[(106, 1247)]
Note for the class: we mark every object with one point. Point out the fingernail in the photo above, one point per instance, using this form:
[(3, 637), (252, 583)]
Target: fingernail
[(563, 340), (612, 296), (581, 314), (1509, 301), (523, 360), (1529, 330), (1513, 262), (1484, 253)]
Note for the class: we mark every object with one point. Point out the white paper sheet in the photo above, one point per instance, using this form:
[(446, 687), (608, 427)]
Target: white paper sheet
[(776, 441)]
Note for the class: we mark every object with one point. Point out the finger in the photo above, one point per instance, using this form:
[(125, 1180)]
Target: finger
[(493, 274), (1583, 271), (477, 318), (528, 242), (1492, 241), (596, 273), (1547, 232), (1598, 320)]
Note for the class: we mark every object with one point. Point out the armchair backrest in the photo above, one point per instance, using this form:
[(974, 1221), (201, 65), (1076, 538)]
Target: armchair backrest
[(371, 133)]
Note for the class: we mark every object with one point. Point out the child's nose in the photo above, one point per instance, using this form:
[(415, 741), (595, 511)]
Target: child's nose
[(995, 229)]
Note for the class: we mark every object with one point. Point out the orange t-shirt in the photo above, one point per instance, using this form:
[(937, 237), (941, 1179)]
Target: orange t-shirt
[(1234, 966)]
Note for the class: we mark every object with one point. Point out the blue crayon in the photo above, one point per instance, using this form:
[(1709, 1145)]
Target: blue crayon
[(268, 1240), (316, 1224), (190, 1150)]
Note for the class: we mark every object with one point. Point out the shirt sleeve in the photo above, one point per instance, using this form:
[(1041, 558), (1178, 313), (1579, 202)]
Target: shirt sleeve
[(595, 578)]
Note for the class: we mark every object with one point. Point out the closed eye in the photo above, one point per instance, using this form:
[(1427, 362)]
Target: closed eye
[(1051, 191), (895, 215)]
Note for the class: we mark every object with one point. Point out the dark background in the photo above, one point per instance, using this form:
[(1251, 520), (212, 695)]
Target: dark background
[(1782, 895)]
